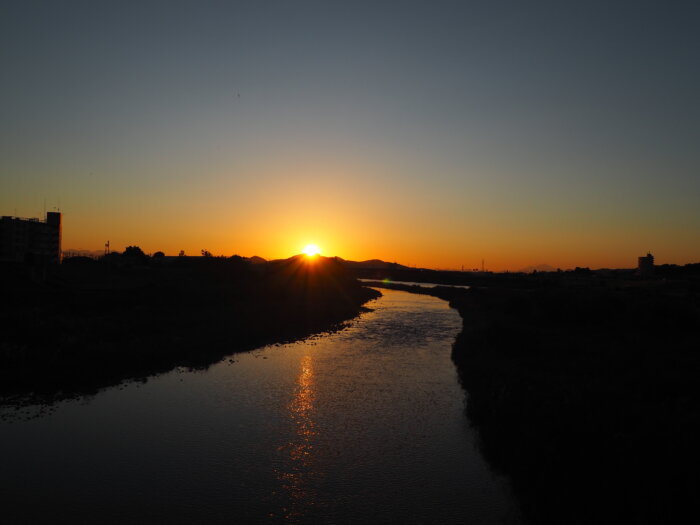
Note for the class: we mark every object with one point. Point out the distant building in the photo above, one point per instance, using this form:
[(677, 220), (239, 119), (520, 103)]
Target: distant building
[(645, 265), (31, 240)]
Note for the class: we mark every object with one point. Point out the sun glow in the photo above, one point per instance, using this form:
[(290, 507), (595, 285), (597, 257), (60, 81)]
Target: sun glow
[(311, 250)]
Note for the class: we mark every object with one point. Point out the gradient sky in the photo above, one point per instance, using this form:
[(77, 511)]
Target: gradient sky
[(429, 133)]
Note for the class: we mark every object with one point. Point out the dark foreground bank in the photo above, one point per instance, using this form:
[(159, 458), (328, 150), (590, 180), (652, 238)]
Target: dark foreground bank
[(586, 395), (88, 324)]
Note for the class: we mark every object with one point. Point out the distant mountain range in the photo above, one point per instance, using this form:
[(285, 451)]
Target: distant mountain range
[(371, 264), (374, 264)]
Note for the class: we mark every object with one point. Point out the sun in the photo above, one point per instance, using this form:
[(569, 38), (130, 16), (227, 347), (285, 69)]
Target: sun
[(311, 250)]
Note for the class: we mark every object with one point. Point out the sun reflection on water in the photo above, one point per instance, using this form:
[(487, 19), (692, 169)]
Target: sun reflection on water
[(298, 473), (301, 409)]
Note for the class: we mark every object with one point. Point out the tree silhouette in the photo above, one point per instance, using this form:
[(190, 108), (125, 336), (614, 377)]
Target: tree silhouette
[(134, 251)]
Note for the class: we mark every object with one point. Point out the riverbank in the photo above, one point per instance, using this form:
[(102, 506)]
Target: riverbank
[(91, 324), (364, 425), (586, 395)]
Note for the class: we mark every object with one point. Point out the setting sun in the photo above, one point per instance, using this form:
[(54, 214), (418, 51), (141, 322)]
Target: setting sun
[(311, 250)]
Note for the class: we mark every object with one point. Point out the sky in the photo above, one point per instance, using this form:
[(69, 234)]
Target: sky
[(434, 134)]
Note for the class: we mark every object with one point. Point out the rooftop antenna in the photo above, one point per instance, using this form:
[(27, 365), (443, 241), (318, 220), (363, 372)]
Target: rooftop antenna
[(107, 248), (44, 215)]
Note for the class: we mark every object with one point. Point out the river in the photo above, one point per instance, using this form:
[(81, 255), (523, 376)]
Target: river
[(365, 424)]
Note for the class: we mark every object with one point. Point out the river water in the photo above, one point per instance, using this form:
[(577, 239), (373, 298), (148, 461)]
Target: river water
[(364, 425)]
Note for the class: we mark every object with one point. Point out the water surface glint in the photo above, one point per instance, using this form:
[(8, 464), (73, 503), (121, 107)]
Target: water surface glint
[(362, 425)]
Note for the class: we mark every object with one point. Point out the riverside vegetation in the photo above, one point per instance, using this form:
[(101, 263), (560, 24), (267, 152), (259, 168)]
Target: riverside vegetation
[(585, 392), (89, 324)]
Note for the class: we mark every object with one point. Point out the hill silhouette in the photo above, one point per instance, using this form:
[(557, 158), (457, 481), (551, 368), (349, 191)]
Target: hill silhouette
[(95, 323), (373, 264)]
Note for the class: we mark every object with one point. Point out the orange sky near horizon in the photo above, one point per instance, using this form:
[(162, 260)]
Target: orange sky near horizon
[(356, 210), (364, 238), (274, 207)]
